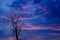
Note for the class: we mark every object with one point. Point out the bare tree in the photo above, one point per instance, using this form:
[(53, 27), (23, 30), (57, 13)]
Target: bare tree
[(15, 23)]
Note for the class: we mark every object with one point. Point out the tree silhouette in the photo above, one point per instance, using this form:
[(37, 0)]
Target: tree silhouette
[(15, 22)]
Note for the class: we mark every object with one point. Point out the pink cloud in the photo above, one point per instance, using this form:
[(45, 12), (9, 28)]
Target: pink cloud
[(54, 27), (3, 17), (10, 38), (42, 8), (31, 27), (51, 26), (22, 18)]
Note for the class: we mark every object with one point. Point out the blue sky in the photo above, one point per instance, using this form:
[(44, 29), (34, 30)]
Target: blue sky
[(36, 14)]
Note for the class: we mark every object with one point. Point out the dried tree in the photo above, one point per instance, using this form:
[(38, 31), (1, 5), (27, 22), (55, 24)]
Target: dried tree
[(15, 24)]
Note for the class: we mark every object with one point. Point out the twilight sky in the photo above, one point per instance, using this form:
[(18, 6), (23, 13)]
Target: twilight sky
[(34, 14)]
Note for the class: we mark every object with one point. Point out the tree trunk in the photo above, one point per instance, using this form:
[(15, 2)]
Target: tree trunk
[(16, 31)]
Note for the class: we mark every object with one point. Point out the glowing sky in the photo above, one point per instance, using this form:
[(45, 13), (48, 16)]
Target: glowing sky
[(34, 14)]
